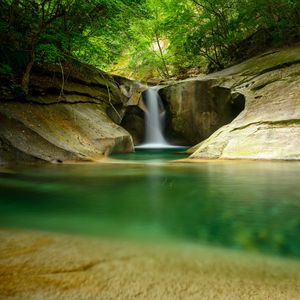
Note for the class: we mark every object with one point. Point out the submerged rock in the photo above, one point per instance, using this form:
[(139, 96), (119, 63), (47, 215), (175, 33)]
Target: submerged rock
[(54, 266)]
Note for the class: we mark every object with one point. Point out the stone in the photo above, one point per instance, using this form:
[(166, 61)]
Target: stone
[(269, 126), (62, 121), (81, 80), (197, 108), (133, 113), (134, 123), (61, 132)]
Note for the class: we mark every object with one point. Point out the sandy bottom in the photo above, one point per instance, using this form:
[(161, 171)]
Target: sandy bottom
[(37, 265)]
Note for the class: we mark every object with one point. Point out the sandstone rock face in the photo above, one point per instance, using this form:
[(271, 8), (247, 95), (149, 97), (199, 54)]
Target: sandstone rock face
[(61, 132), (197, 108), (133, 117), (269, 126), (73, 117), (134, 123)]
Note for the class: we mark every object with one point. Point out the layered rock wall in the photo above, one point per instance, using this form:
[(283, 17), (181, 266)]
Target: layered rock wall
[(269, 127), (69, 116), (248, 111), (260, 96)]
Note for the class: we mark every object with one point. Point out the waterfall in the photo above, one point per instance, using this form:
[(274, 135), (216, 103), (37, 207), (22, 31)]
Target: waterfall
[(154, 121), (154, 118)]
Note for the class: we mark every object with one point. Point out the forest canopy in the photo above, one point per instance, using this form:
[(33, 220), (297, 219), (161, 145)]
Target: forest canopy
[(141, 38), (208, 34)]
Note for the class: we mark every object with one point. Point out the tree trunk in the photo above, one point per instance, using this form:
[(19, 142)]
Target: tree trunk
[(26, 75), (297, 14), (166, 72)]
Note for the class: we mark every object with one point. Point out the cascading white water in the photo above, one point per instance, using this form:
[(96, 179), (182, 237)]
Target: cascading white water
[(154, 118)]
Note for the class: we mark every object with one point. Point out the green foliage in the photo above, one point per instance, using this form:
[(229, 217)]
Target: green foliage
[(150, 38), (39, 31), (148, 57), (208, 33), (6, 70), (47, 53)]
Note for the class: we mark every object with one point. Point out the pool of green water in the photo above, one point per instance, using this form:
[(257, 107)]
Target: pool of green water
[(153, 155), (242, 205)]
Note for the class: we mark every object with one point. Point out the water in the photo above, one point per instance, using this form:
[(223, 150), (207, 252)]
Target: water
[(154, 155), (249, 206), (154, 122)]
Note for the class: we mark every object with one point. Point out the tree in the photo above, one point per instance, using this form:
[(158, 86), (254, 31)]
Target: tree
[(148, 42), (31, 19), (56, 30), (211, 33), (150, 37)]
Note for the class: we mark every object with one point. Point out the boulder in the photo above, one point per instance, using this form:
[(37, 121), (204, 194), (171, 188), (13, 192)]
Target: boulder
[(60, 132), (133, 119)]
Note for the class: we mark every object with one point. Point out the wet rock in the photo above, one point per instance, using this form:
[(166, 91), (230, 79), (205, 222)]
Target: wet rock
[(53, 266), (134, 123), (197, 108)]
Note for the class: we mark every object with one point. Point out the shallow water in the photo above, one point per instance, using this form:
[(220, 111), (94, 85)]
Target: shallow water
[(242, 205)]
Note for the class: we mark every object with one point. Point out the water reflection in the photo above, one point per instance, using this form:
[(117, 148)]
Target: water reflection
[(243, 205)]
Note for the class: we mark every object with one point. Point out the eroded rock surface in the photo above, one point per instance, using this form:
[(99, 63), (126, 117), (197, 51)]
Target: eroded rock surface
[(197, 108), (269, 126), (60, 132), (69, 116)]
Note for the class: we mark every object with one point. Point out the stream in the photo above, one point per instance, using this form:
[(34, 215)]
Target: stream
[(243, 205)]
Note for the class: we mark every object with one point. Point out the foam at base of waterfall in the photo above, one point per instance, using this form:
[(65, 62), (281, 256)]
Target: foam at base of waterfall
[(156, 146)]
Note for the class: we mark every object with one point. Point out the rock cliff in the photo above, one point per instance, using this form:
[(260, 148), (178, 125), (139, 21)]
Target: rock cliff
[(70, 115), (77, 113), (197, 108), (268, 127)]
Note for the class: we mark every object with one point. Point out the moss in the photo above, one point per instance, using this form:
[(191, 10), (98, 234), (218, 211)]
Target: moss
[(263, 84), (281, 123), (285, 122), (266, 63)]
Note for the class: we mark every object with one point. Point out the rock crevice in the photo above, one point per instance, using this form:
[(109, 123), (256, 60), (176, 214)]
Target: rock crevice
[(197, 108)]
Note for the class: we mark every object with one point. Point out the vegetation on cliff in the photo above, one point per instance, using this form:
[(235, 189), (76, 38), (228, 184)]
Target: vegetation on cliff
[(141, 38), (60, 31)]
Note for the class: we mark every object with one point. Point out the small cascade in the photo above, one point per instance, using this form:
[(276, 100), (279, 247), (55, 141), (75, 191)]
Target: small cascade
[(154, 121)]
